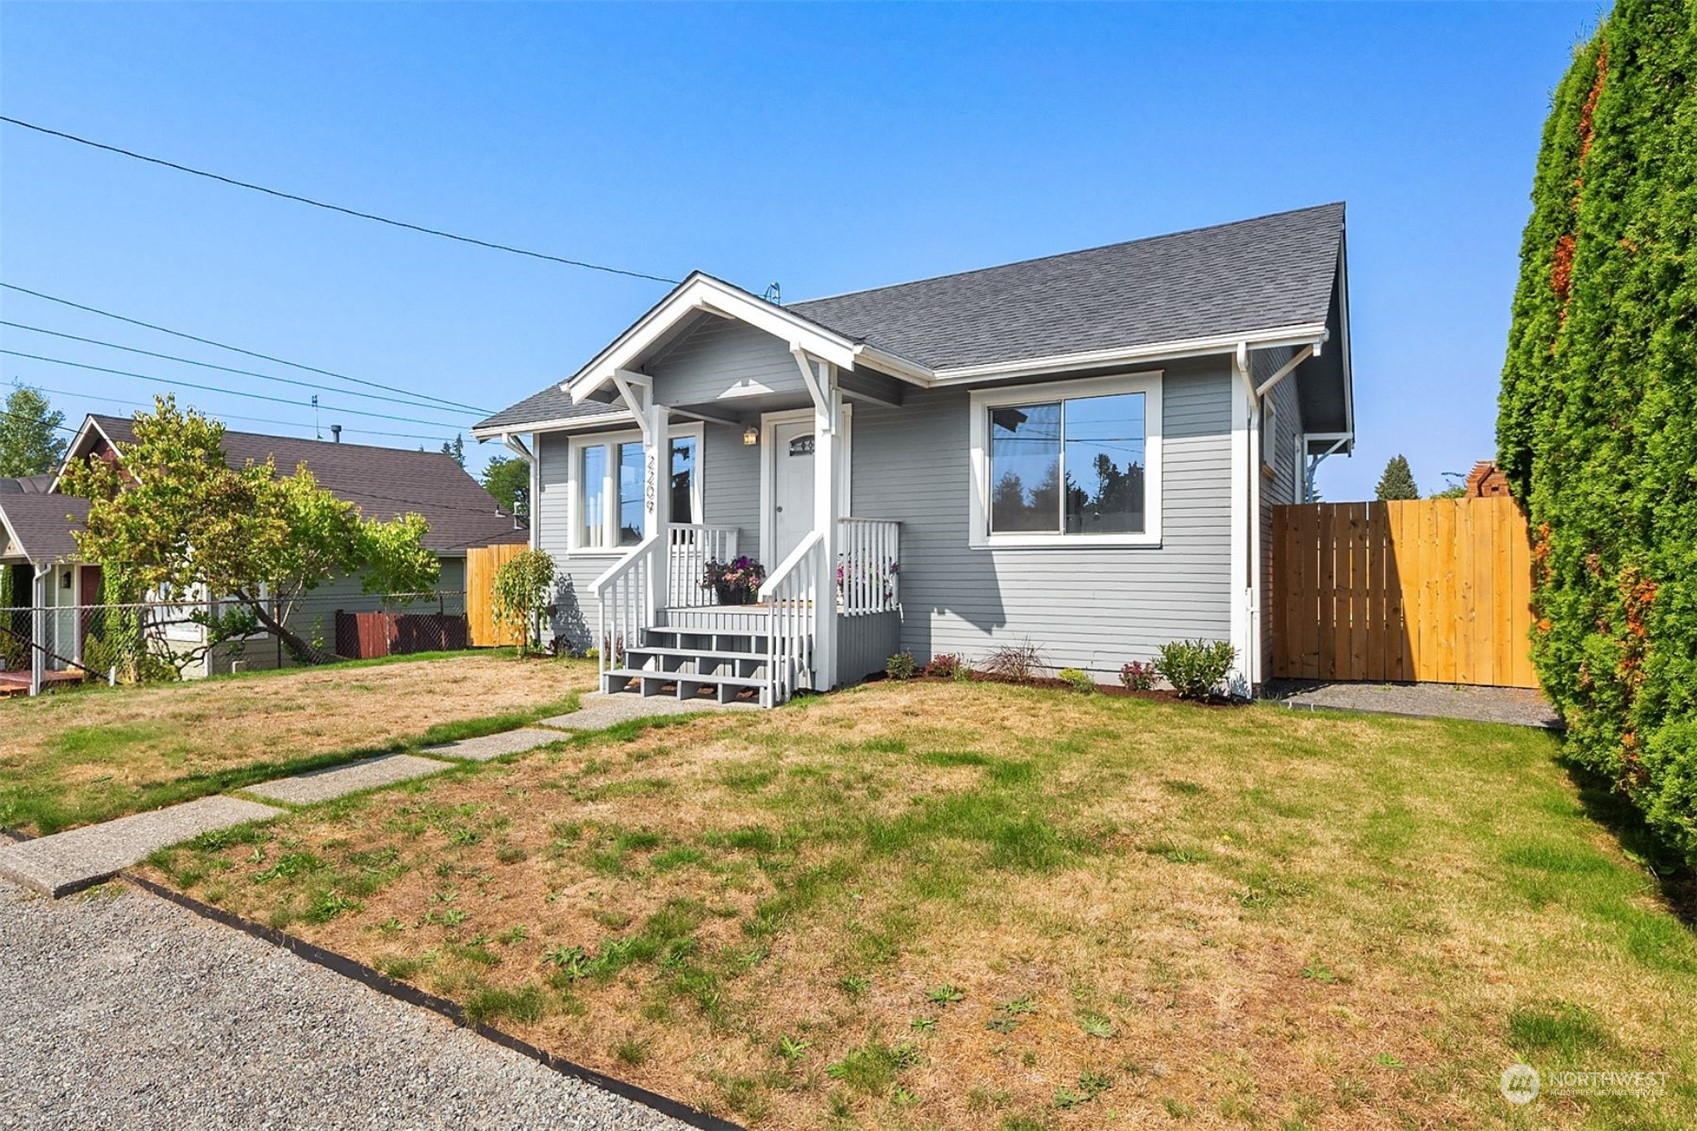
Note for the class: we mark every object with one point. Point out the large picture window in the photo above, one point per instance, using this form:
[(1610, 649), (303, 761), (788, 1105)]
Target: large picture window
[(1070, 462), (607, 483)]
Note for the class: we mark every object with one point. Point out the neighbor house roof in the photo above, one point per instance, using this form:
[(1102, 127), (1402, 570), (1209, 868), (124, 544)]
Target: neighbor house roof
[(42, 525), (382, 482), (27, 485), (1268, 273)]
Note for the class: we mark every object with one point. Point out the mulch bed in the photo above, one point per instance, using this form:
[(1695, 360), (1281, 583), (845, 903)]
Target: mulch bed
[(1116, 690)]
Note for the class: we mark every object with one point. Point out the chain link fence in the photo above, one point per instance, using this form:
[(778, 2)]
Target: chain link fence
[(178, 639)]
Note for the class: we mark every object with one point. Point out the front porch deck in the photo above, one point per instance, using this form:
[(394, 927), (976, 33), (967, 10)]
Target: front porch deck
[(17, 683)]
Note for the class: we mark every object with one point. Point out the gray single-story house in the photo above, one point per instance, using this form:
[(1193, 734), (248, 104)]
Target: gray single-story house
[(38, 545), (1080, 452)]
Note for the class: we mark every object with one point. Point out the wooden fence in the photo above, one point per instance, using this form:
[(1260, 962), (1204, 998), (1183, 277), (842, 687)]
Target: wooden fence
[(366, 636), (1429, 590), (480, 566)]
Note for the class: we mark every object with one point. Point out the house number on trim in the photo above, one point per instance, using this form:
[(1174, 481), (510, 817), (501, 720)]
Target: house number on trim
[(801, 446), (650, 485)]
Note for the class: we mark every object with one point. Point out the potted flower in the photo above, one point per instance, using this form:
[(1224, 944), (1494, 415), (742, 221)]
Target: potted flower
[(736, 581)]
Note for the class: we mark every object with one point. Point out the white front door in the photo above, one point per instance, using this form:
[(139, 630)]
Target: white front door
[(792, 488)]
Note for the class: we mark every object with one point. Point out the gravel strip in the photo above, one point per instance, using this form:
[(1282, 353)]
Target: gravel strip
[(122, 1010), (1518, 706)]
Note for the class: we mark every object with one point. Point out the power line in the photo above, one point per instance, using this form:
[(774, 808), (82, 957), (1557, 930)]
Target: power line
[(240, 350), (337, 207), (216, 389), (220, 368), (232, 416)]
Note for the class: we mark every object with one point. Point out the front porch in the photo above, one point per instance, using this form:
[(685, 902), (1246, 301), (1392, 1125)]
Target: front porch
[(661, 631)]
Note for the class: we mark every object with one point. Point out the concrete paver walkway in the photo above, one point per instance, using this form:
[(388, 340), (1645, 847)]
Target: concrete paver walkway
[(598, 710), (67, 862), (338, 781), (492, 746)]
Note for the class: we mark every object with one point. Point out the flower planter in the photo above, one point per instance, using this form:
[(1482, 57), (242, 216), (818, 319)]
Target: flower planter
[(733, 595)]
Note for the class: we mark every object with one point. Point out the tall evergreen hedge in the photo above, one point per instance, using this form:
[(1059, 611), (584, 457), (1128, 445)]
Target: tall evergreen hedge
[(1597, 428)]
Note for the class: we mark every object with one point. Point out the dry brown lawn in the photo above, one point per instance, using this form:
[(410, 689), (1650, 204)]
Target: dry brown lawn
[(89, 754), (978, 906)]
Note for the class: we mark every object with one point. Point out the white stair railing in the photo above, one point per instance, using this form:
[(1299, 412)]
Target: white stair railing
[(868, 566), (625, 605), (689, 547), (791, 597)]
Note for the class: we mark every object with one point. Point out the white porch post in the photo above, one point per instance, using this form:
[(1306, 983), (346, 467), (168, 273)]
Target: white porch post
[(38, 629), (1245, 532), (821, 380), (657, 499)]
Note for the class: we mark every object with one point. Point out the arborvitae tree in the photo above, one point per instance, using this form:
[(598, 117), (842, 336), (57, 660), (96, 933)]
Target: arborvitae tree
[(1398, 481), (1597, 428)]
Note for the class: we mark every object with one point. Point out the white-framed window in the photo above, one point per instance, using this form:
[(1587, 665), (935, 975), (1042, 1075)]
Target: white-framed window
[(605, 484), (1069, 463)]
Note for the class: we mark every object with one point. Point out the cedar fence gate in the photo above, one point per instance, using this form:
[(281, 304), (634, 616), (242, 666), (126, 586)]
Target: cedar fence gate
[(480, 566), (1428, 590)]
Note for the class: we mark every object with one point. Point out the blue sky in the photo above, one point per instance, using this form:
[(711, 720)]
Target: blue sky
[(827, 148)]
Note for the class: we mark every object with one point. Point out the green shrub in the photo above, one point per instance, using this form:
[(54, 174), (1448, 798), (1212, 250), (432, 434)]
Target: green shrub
[(901, 666), (1078, 680), (522, 583), (947, 665), (1597, 428), (1195, 668)]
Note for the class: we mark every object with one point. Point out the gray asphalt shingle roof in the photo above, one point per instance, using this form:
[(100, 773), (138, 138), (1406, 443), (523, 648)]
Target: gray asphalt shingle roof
[(548, 405), (382, 482), (1258, 274), (43, 524)]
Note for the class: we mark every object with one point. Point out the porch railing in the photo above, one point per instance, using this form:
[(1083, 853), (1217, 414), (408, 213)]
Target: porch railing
[(626, 607), (868, 566), (689, 547), (791, 595)]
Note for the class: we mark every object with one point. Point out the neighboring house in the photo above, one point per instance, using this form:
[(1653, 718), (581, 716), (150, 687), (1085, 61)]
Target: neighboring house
[(1486, 481), (383, 482), (1080, 451), (43, 578)]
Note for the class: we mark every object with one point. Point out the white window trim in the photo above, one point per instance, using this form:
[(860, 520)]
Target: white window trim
[(611, 441), (982, 401)]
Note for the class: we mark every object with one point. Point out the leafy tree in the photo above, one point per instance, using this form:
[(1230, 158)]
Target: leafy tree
[(170, 516), (504, 478), (521, 588), (455, 448), (1453, 491), (30, 439), (1397, 482), (1597, 424)]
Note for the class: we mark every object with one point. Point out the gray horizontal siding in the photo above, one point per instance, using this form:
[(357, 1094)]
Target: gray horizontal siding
[(721, 360), (1280, 487), (1092, 607)]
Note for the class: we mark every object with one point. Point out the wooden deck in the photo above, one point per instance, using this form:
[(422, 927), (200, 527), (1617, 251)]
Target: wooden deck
[(17, 683)]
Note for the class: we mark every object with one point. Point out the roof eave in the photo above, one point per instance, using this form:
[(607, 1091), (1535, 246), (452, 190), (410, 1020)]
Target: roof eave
[(560, 424), (1299, 335)]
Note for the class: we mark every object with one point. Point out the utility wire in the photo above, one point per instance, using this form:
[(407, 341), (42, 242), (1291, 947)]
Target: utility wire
[(231, 416), (336, 207), (240, 350), (220, 368), (217, 389)]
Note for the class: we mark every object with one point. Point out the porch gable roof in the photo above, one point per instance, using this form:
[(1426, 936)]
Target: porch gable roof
[(42, 527)]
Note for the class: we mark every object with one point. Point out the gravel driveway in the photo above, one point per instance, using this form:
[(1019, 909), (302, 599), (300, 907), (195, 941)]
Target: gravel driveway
[(118, 1009)]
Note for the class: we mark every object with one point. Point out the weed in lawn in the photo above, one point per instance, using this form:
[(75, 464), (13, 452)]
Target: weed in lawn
[(1178, 1109), (631, 1051), (679, 856), (1096, 1025), (1018, 1006), (923, 1024), (945, 994), (854, 984), (792, 1050), (327, 904), (871, 1068), (1317, 971)]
